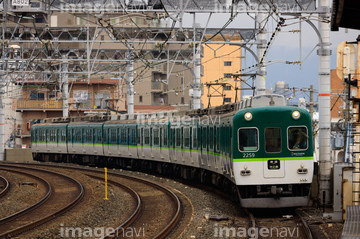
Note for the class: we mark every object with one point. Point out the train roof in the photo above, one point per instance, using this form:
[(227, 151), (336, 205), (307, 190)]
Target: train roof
[(163, 117)]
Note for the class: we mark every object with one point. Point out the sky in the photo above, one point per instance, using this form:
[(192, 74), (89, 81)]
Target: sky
[(286, 47)]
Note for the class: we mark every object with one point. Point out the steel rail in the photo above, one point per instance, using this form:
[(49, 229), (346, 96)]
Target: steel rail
[(52, 215), (179, 208), (6, 186)]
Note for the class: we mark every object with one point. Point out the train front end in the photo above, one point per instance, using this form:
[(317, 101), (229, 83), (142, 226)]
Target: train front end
[(273, 156)]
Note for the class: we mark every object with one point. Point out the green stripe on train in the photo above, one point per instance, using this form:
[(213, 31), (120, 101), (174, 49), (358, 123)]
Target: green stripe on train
[(265, 159)]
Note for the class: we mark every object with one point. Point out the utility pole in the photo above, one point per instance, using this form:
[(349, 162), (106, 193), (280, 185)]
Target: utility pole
[(197, 81), (311, 108), (65, 81), (261, 73), (2, 85), (324, 54), (130, 86)]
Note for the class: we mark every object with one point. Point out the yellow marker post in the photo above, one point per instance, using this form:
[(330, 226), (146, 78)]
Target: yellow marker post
[(106, 198)]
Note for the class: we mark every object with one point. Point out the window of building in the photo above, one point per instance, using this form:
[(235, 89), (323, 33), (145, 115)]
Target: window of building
[(182, 100), (227, 100), (227, 63), (140, 98), (100, 102), (36, 96), (227, 87), (227, 75), (102, 37), (182, 80)]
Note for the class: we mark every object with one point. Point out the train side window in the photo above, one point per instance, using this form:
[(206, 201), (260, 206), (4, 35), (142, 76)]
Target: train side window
[(248, 139), (204, 137), (297, 138), (123, 136), (217, 139), (99, 136), (178, 137), (146, 136), (113, 136), (211, 137), (165, 136), (78, 136), (132, 136), (195, 138), (156, 137), (187, 137), (273, 140), (63, 135)]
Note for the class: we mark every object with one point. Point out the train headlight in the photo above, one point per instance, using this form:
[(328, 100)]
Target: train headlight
[(296, 114), (302, 170), (248, 116), (245, 172)]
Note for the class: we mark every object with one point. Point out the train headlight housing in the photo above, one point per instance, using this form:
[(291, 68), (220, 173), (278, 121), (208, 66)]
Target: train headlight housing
[(296, 114), (245, 172), (248, 116)]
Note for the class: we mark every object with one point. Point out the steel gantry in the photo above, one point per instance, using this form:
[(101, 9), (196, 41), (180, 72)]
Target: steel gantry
[(50, 42)]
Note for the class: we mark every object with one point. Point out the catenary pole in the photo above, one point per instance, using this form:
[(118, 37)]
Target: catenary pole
[(324, 53)]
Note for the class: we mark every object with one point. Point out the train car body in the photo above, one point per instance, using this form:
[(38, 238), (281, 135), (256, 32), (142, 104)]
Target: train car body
[(259, 148)]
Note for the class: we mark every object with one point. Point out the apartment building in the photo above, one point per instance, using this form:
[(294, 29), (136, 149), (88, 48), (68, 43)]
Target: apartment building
[(154, 90)]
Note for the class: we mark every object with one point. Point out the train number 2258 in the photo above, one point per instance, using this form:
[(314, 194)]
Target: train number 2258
[(248, 155)]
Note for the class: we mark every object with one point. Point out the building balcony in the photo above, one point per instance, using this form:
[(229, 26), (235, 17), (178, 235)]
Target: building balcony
[(39, 104)]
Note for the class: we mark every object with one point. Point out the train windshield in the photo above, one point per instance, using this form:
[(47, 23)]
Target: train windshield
[(273, 140), (298, 139), (248, 139)]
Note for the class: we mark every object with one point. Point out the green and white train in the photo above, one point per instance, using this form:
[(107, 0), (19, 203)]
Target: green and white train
[(259, 148)]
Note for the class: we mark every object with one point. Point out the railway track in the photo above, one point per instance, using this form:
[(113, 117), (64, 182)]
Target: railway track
[(4, 186), (275, 225), (58, 200), (157, 212)]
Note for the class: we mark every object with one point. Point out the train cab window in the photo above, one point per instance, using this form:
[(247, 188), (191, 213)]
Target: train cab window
[(297, 138), (187, 137), (248, 139), (156, 137), (273, 140)]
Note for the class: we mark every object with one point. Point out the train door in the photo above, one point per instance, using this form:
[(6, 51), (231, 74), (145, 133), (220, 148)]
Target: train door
[(194, 147), (274, 166), (204, 146), (156, 143), (141, 142), (172, 145), (178, 144), (186, 153), (211, 156), (165, 143), (217, 150)]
